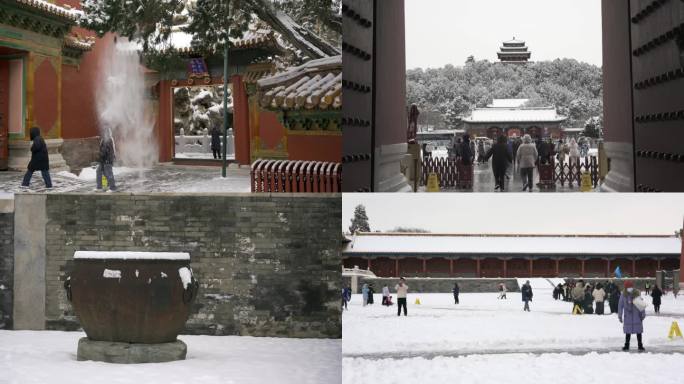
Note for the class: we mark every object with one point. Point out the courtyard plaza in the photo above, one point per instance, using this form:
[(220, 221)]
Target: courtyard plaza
[(159, 178)]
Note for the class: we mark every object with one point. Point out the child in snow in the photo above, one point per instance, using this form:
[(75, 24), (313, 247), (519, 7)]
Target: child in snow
[(39, 160)]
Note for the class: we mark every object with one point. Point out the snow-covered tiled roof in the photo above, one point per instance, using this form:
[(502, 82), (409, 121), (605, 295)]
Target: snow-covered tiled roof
[(257, 38), (500, 115), (507, 103), (315, 84), (78, 42), (52, 9), (501, 244)]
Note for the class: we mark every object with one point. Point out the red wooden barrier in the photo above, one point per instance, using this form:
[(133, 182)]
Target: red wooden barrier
[(295, 176)]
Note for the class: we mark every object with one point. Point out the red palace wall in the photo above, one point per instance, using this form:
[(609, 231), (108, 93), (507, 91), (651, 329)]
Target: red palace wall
[(516, 267), (79, 105), (315, 147)]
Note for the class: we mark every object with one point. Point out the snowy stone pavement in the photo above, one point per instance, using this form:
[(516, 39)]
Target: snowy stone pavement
[(485, 340), (28, 357), (483, 181), (162, 178)]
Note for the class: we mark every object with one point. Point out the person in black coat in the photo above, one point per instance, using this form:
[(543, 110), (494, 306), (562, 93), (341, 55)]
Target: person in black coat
[(456, 290), (501, 158), (371, 291), (526, 291), (656, 294), (106, 162), (614, 298), (216, 142), (466, 152), (39, 160)]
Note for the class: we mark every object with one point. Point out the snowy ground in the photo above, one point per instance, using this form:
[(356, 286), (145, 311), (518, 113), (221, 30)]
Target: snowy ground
[(28, 357), (162, 178), (488, 340)]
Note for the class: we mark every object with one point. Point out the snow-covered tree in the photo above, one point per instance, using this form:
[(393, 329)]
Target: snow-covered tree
[(151, 22), (360, 221), (594, 127)]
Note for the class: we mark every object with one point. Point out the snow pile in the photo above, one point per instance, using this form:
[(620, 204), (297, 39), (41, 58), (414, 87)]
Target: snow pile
[(186, 276), (210, 360), (102, 255), (111, 274), (89, 174)]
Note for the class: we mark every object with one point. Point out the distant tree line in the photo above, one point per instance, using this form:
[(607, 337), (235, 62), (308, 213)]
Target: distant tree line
[(445, 95)]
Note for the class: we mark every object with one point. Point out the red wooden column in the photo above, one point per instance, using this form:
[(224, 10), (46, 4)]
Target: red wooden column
[(424, 267), (451, 267), (505, 268), (396, 267), (369, 264), (582, 268), (557, 267), (477, 265), (531, 266), (658, 265), (607, 267), (633, 267)]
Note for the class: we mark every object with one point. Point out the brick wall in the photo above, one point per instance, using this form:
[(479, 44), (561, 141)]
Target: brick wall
[(268, 266), (6, 269)]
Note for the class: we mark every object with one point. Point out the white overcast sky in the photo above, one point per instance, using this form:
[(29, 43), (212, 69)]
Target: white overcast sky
[(535, 213), (440, 32)]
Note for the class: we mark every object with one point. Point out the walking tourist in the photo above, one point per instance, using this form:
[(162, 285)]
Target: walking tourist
[(402, 291), (526, 291), (502, 291), (385, 294), (526, 159), (465, 151), (574, 152), (588, 301), (364, 293), (456, 290), (647, 288), (613, 297), (346, 296), (371, 292), (599, 295), (216, 142), (630, 315), (501, 158), (106, 163), (656, 295), (480, 152), (578, 297), (39, 160)]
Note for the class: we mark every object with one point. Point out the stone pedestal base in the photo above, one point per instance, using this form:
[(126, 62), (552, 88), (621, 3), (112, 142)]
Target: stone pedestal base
[(20, 155), (126, 353), (388, 176), (621, 175)]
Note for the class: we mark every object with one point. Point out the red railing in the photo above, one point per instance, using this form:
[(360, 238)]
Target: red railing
[(295, 176)]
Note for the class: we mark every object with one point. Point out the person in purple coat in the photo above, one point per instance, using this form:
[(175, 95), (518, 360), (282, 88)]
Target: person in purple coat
[(630, 316)]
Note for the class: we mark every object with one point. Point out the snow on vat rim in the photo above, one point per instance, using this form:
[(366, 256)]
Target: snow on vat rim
[(102, 255)]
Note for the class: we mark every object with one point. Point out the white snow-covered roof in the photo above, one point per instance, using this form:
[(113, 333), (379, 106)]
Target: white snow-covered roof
[(500, 115), (102, 255), (507, 103), (47, 7), (572, 129), (500, 244)]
